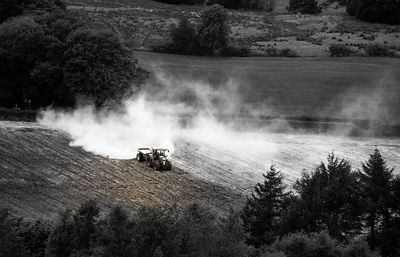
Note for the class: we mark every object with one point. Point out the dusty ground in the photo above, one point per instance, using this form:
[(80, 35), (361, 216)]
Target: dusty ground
[(143, 24), (40, 174)]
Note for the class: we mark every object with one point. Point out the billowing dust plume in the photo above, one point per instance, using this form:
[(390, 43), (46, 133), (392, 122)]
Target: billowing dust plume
[(168, 109)]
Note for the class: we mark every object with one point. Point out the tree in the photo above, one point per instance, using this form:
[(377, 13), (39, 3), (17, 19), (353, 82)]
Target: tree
[(118, 235), (31, 62), (383, 11), (184, 37), (376, 186), (75, 233), (9, 8), (262, 212), (214, 30), (330, 200), (304, 6), (99, 66)]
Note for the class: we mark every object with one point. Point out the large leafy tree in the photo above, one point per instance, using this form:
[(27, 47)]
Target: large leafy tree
[(382, 11), (214, 30), (99, 66), (262, 212)]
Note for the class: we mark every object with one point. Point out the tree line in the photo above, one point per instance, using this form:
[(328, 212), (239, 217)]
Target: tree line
[(49, 57), (334, 211)]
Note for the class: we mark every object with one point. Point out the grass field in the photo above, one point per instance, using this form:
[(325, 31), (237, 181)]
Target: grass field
[(349, 88)]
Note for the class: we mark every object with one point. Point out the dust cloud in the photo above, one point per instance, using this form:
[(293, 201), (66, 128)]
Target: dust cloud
[(168, 110)]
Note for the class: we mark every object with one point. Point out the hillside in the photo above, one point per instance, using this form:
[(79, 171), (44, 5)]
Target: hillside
[(40, 175), (143, 24)]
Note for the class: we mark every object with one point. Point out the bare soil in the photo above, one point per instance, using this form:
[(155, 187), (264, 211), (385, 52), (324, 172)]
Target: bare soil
[(40, 175)]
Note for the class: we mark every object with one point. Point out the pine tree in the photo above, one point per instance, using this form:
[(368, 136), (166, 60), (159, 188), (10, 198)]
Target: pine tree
[(262, 212), (376, 179), (329, 200)]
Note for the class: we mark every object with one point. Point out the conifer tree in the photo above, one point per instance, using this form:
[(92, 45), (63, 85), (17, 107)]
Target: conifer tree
[(376, 181), (263, 209)]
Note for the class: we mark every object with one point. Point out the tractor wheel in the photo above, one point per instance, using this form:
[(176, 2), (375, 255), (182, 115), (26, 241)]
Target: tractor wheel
[(139, 157), (157, 165), (169, 166)]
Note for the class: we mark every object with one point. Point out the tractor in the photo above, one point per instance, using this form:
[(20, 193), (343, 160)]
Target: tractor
[(156, 158)]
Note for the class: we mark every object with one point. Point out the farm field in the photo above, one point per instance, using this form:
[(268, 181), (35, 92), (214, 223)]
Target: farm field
[(347, 88), (40, 175)]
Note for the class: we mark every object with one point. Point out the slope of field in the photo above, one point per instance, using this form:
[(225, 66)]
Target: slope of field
[(241, 169), (146, 23), (347, 88), (40, 174)]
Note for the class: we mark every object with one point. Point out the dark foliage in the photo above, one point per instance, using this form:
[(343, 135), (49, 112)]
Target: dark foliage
[(382, 11), (209, 38), (184, 37), (47, 58), (97, 65), (329, 200), (236, 51), (380, 195), (188, 2), (213, 30), (377, 50), (12, 8), (339, 50), (336, 213), (304, 6), (262, 212)]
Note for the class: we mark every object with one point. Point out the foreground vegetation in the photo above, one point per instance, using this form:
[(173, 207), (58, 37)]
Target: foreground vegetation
[(49, 57), (334, 212)]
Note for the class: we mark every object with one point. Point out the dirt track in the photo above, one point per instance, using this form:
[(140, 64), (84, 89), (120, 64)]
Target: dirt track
[(41, 174)]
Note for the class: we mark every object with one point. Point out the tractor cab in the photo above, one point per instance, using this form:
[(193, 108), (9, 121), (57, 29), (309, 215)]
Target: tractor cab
[(159, 152)]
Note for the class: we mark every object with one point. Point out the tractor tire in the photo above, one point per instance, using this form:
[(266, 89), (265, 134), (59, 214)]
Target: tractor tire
[(157, 165), (168, 166), (139, 157)]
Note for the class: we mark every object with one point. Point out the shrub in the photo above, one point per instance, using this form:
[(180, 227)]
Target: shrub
[(183, 37), (188, 2), (287, 52), (236, 51), (304, 6), (339, 50), (300, 244), (377, 50), (213, 31), (384, 11)]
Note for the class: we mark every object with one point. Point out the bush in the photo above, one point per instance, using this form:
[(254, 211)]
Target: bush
[(383, 11), (184, 37), (285, 52), (188, 2), (377, 50), (339, 50), (266, 5), (304, 6), (236, 51), (213, 31), (313, 245)]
